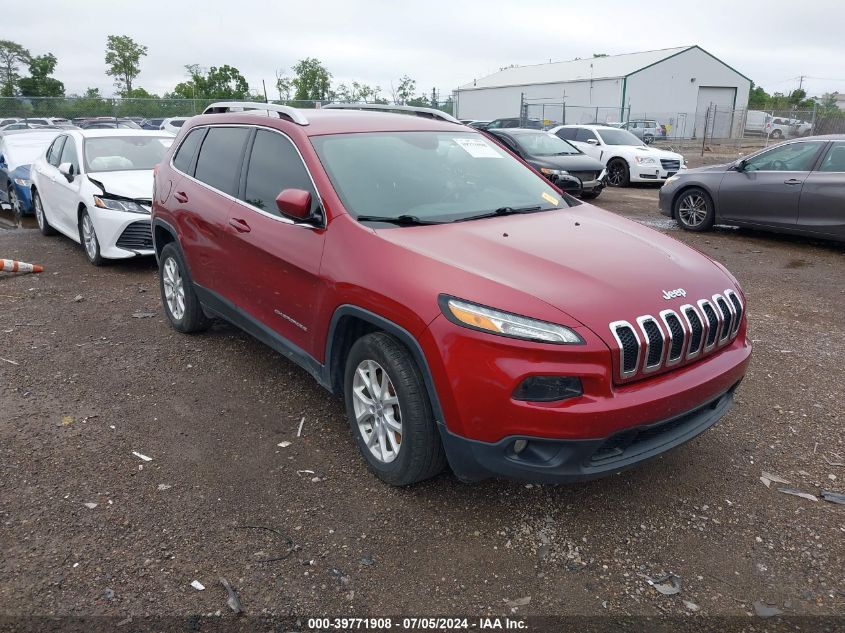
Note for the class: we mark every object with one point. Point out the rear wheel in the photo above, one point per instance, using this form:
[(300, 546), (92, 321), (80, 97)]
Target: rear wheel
[(618, 174), (180, 300), (43, 224), (648, 139), (88, 237), (694, 210), (389, 411)]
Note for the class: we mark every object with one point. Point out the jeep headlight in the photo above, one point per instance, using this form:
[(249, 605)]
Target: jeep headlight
[(478, 317), (645, 160), (129, 206)]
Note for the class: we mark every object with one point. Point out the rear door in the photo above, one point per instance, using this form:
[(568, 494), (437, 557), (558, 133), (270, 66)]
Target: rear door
[(822, 207), (200, 202), (276, 279), (767, 191)]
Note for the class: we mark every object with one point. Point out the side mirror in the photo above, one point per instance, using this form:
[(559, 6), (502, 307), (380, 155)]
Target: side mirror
[(592, 141), (66, 170), (740, 165), (295, 203)]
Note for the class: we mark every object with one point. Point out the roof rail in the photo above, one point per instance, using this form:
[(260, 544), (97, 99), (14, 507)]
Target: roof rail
[(248, 106), (430, 113)]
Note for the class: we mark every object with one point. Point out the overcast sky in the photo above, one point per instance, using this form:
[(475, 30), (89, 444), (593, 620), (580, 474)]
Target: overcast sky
[(438, 43)]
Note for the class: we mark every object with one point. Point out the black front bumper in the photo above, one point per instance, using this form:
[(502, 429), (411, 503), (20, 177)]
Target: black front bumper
[(664, 201), (560, 461)]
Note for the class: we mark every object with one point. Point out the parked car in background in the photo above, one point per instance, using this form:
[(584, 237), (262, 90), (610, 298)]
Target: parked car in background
[(151, 124), (26, 125), (17, 153), (794, 187), (106, 123), (94, 186), (534, 124), (173, 124), (466, 310), (780, 127), (478, 125), (9, 121), (625, 156), (644, 129), (757, 122), (556, 159)]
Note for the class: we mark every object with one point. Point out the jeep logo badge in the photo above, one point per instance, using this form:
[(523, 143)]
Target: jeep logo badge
[(671, 294)]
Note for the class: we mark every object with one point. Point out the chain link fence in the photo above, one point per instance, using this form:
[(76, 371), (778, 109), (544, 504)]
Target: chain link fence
[(715, 129)]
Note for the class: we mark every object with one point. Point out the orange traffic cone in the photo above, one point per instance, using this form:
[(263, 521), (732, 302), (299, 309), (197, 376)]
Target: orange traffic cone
[(12, 266)]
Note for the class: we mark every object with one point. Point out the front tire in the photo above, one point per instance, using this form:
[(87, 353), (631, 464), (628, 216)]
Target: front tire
[(389, 411), (618, 174), (694, 210), (777, 134), (40, 216), (589, 195), (88, 237), (178, 296), (14, 201)]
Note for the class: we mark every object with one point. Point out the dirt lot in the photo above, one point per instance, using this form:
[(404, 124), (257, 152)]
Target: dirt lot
[(98, 374)]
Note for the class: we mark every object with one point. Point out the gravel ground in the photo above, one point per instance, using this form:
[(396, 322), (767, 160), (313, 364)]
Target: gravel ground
[(91, 528)]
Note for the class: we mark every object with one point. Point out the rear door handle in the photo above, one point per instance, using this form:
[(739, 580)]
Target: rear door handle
[(792, 181), (181, 196), (240, 225)]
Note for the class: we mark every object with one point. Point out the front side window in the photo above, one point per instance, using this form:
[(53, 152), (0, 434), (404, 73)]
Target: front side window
[(584, 135), (69, 155), (835, 159), (274, 165), (55, 151), (124, 153), (789, 157), (219, 162), (619, 137), (433, 176)]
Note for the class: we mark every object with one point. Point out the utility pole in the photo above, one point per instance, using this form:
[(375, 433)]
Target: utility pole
[(264, 85), (801, 81)]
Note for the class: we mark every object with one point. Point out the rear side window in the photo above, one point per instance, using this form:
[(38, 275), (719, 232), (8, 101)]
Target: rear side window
[(219, 162), (184, 159), (274, 165)]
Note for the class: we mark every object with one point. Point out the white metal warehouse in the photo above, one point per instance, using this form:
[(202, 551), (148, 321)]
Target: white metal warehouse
[(675, 86)]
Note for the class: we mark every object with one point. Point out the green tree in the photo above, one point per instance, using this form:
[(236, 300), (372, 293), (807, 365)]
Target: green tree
[(758, 98), (123, 61), (404, 91), (12, 56), (355, 92), (39, 83), (312, 81), (284, 85), (225, 82)]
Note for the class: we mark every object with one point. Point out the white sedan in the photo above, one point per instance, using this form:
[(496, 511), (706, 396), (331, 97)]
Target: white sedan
[(95, 187), (625, 156)]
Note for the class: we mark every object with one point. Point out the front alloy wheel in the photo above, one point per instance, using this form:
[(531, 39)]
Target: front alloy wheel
[(694, 210), (377, 411), (15, 202), (617, 173), (89, 239)]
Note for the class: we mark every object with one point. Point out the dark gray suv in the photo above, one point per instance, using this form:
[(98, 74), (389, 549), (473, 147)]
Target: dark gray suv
[(794, 187)]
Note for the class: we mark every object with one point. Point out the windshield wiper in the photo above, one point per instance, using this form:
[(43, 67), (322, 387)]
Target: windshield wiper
[(502, 211), (399, 220)]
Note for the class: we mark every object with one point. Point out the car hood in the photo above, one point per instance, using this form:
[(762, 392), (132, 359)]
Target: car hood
[(588, 263), (135, 184), (571, 162), (709, 168), (646, 150)]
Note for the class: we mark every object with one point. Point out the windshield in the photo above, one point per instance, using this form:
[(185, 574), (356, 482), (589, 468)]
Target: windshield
[(434, 176), (125, 153), (544, 144), (618, 137)]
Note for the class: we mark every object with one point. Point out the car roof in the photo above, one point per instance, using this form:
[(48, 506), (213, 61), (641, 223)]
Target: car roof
[(822, 137), (340, 121)]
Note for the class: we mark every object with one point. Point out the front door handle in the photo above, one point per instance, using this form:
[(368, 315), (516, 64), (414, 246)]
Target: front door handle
[(792, 181), (181, 196), (240, 225)]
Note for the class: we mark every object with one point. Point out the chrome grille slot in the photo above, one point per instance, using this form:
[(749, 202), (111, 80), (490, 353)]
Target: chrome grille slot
[(654, 342), (678, 336), (726, 314)]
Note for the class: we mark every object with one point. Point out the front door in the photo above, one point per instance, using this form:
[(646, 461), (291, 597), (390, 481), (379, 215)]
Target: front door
[(767, 189)]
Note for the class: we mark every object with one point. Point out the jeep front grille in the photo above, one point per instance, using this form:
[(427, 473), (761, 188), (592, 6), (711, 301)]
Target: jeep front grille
[(648, 344)]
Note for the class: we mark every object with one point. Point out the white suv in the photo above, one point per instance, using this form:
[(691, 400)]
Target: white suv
[(626, 157)]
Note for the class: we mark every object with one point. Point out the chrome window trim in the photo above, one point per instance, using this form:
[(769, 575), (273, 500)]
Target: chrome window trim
[(689, 353), (664, 316), (737, 318), (705, 347), (243, 203), (641, 321), (622, 373), (724, 334)]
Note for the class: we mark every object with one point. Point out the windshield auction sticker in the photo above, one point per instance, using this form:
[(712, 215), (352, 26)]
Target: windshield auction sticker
[(477, 148)]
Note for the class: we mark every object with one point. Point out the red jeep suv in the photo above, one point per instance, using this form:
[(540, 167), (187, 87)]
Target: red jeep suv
[(467, 310)]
